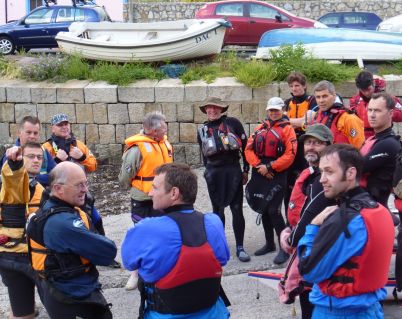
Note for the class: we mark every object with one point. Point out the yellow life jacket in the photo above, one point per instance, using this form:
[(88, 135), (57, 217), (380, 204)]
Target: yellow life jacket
[(19, 198), (153, 154), (50, 263), (297, 110)]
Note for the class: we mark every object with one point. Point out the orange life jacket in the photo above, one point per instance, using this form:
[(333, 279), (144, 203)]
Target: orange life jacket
[(153, 154), (369, 271), (330, 120), (268, 141)]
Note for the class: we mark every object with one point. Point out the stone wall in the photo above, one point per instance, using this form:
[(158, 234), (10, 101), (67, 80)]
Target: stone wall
[(104, 115), (156, 11)]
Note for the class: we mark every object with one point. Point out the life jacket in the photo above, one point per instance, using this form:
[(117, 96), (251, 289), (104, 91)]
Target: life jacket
[(13, 219), (153, 154), (330, 120), (267, 141), (367, 146), (298, 198), (48, 263), (296, 110), (193, 283), (219, 139), (369, 271)]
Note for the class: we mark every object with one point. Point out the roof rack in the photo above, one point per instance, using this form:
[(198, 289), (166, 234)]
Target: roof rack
[(81, 2)]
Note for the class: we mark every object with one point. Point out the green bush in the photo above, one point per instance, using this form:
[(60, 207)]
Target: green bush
[(254, 74), (76, 68), (195, 72), (45, 68), (287, 59)]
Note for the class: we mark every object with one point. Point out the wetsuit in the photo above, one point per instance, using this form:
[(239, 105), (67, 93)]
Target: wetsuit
[(347, 241), (380, 153), (159, 239), (223, 173)]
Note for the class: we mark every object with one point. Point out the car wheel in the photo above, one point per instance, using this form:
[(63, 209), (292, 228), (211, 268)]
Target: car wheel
[(6, 45)]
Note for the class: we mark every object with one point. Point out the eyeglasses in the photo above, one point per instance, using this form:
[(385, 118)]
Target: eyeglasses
[(314, 142), (82, 185), (33, 156)]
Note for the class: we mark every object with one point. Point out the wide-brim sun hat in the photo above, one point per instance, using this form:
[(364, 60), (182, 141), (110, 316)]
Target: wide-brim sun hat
[(275, 103), (214, 101)]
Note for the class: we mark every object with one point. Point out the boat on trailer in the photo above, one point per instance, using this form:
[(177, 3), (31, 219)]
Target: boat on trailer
[(146, 42), (335, 44)]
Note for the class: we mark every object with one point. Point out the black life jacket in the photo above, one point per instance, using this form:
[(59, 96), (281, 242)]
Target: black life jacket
[(193, 283)]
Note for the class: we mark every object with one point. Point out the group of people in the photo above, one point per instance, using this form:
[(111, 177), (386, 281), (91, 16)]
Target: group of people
[(330, 164)]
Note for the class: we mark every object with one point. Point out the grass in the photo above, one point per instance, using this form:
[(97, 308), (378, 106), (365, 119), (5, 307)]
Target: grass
[(60, 68)]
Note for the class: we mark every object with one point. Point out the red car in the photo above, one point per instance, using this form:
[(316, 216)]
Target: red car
[(250, 19)]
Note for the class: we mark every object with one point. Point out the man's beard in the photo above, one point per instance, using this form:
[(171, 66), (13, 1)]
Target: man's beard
[(312, 158)]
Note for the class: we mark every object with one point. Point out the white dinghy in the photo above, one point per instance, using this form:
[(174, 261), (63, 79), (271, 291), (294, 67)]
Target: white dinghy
[(147, 42)]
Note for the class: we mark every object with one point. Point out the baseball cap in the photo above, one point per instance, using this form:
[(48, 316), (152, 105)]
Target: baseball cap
[(214, 101), (275, 103), (320, 132), (58, 118)]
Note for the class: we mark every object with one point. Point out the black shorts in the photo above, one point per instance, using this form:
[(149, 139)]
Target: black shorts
[(21, 288)]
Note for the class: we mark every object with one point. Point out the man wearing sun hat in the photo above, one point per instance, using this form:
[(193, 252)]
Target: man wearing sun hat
[(64, 146), (222, 141)]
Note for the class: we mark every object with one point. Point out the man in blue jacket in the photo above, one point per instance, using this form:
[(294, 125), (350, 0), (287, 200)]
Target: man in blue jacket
[(346, 250), (64, 249), (179, 256), (29, 130)]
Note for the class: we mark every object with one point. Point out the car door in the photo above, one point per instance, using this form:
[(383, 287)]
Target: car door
[(264, 18), (63, 19), (234, 12), (32, 31)]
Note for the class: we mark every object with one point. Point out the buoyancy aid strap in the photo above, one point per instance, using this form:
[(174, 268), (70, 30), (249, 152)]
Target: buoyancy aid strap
[(145, 179), (13, 215)]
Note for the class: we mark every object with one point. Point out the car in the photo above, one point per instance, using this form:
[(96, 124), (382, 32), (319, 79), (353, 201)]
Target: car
[(393, 24), (39, 28), (251, 19), (351, 20)]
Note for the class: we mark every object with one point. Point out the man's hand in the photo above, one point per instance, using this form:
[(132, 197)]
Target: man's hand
[(245, 178), (263, 170), (14, 153), (319, 219), (62, 155), (76, 153)]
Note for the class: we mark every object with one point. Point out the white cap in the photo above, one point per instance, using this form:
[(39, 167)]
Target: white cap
[(275, 103)]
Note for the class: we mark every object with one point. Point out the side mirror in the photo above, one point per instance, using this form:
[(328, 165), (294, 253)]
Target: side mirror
[(278, 18)]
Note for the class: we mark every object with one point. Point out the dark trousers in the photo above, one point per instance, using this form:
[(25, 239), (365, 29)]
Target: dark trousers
[(272, 219), (238, 222), (306, 306)]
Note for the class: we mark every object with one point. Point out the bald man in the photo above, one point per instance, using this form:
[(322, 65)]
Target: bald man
[(61, 231)]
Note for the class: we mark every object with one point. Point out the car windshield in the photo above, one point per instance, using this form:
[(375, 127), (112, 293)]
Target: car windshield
[(40, 16)]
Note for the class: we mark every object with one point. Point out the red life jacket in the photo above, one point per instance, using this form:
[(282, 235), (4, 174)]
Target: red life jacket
[(367, 146), (268, 141), (330, 120), (193, 283), (298, 198), (369, 271)]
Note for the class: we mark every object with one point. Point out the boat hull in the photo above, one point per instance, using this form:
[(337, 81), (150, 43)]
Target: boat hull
[(335, 44), (203, 42)]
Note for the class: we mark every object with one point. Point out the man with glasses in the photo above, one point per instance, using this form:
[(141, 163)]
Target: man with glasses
[(29, 131), (64, 249), (20, 196), (307, 200), (64, 146)]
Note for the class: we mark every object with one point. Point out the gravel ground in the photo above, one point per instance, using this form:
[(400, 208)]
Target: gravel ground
[(113, 202)]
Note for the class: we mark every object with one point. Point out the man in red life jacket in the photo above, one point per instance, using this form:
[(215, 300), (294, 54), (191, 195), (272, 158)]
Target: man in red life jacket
[(368, 85), (381, 149), (346, 127), (179, 256), (346, 250)]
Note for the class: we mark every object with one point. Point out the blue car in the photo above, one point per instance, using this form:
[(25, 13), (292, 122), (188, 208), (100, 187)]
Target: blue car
[(39, 28), (351, 20)]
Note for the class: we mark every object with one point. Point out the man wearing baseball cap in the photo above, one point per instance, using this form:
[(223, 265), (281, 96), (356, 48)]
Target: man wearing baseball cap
[(368, 84), (307, 199), (222, 141), (64, 146)]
